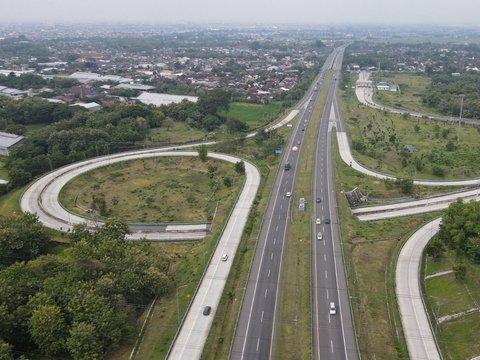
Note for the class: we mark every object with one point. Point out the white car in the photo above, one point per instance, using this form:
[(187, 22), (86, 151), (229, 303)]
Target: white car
[(333, 309), (288, 194), (319, 236), (318, 221), (224, 257)]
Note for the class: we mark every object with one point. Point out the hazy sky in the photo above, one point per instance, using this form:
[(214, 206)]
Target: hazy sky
[(245, 11)]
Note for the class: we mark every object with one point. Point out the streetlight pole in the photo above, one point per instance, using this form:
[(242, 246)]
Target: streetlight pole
[(178, 306)]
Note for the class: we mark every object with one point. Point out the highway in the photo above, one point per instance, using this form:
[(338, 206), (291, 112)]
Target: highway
[(258, 319), (333, 335)]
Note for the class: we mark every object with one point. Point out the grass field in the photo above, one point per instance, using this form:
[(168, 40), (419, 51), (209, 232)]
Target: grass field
[(3, 171), (378, 138), (369, 250), (411, 87), (154, 190), (254, 115), (445, 295), (174, 132)]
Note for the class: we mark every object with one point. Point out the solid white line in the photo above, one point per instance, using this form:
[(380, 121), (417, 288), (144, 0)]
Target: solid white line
[(335, 260)]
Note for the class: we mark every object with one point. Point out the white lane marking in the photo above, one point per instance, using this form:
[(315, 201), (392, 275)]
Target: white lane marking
[(271, 256), (276, 228), (274, 241), (268, 273), (279, 216), (266, 292), (327, 293), (261, 320), (281, 207), (258, 343), (325, 257), (331, 344), (326, 276), (329, 318)]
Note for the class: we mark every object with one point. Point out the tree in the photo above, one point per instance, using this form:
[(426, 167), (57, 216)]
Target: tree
[(22, 237), (5, 351), (47, 328), (240, 167), (213, 101), (235, 125), (460, 271), (406, 185), (435, 249), (203, 152), (83, 344)]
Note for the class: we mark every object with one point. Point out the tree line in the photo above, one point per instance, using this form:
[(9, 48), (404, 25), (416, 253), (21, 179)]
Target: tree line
[(78, 303)]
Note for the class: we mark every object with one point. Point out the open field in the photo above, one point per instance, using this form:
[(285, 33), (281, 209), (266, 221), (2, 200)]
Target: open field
[(253, 115), (154, 190), (173, 132), (369, 251), (411, 86), (442, 150), (445, 295)]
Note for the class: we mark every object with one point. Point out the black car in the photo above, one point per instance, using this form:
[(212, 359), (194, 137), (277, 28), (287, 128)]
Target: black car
[(319, 200), (327, 221), (206, 310)]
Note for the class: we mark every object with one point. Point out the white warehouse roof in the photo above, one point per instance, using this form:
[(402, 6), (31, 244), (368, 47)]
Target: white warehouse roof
[(163, 99)]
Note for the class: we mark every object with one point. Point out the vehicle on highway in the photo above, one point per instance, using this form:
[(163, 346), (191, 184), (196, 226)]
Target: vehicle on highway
[(318, 221), (319, 236), (303, 129), (288, 194), (298, 142), (326, 221), (206, 310), (318, 200), (287, 166), (333, 309), (224, 257)]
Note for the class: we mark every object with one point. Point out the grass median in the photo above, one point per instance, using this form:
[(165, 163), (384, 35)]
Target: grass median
[(294, 318)]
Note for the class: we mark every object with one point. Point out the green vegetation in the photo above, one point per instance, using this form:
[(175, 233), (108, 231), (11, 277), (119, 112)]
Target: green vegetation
[(3, 171), (378, 139), (253, 115), (447, 295), (294, 317), (80, 302), (411, 88), (460, 229), (154, 190), (369, 251)]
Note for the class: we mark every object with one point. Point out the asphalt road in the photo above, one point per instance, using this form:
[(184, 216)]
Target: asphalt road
[(258, 319), (333, 335)]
